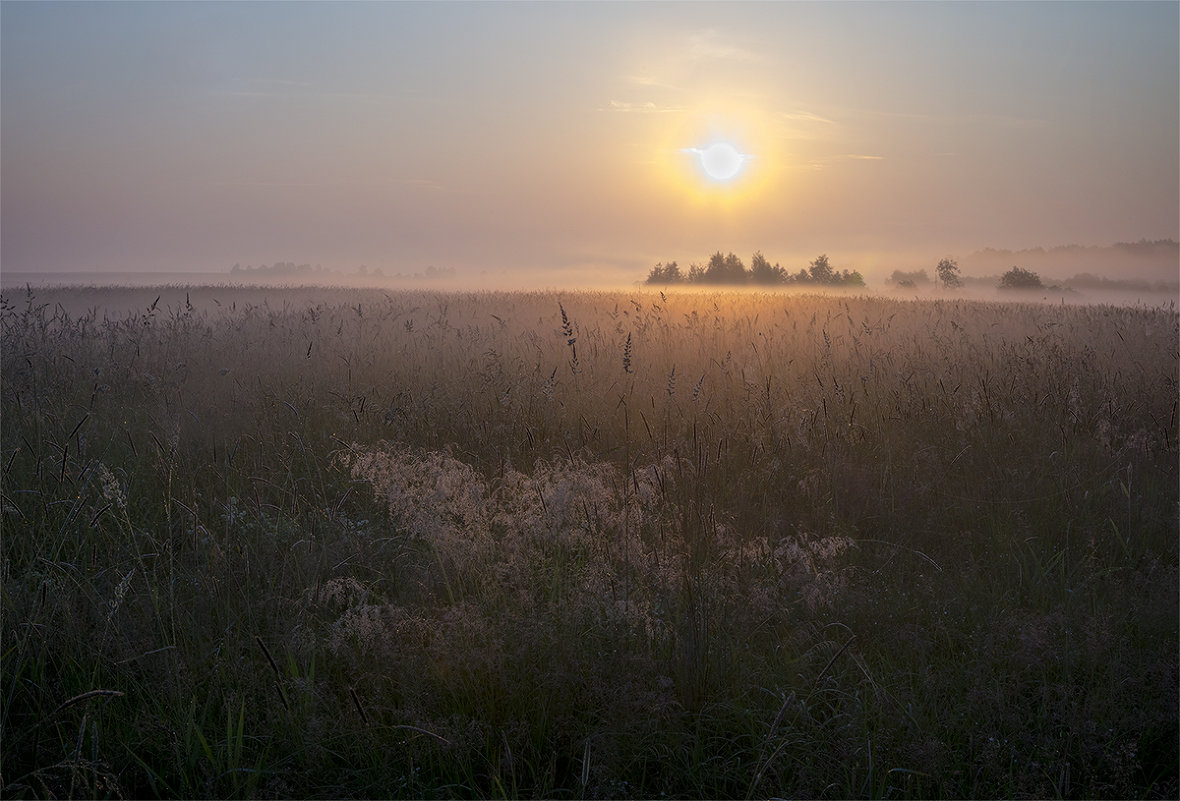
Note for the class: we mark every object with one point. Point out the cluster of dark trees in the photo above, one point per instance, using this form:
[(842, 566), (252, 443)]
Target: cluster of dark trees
[(729, 269)]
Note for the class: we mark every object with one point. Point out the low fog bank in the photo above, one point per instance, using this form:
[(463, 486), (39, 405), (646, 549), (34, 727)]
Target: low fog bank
[(157, 304), (989, 292), (524, 279), (1081, 289), (1143, 273), (1147, 270), (1147, 261)]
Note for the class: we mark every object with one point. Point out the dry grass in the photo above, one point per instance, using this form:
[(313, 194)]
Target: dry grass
[(586, 545)]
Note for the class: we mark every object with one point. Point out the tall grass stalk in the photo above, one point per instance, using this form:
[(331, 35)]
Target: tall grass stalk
[(327, 543)]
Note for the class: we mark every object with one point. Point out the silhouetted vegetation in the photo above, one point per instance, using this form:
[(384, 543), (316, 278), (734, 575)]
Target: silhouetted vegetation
[(278, 268), (912, 279), (316, 543), (1020, 278), (729, 270), (948, 273), (1157, 258), (1101, 283)]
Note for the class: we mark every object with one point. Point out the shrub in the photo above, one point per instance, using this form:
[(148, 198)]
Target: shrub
[(1020, 278)]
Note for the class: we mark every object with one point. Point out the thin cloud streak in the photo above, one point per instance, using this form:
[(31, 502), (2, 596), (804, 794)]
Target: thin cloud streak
[(824, 161), (640, 108), (646, 80), (957, 119), (707, 46), (805, 116)]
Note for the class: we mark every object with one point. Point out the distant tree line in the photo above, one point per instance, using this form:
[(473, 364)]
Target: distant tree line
[(948, 276), (278, 268), (1101, 282), (729, 269), (1166, 247), (284, 268)]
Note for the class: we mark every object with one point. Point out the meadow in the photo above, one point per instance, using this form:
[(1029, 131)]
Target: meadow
[(276, 543)]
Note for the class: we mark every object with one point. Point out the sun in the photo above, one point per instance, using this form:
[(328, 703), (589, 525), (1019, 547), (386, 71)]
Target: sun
[(720, 161)]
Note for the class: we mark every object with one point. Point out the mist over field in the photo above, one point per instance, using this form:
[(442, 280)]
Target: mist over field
[(305, 542), (589, 400), (1118, 275)]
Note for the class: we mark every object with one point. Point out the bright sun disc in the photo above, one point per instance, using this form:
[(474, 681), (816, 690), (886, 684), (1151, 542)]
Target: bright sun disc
[(721, 161)]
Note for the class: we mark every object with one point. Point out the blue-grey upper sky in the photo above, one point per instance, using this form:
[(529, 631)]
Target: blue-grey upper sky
[(565, 138)]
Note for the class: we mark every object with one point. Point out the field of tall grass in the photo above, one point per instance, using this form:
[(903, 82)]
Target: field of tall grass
[(345, 543)]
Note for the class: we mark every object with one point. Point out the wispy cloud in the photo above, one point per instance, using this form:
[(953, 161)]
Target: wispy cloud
[(820, 163), (974, 120), (640, 108), (804, 116), (676, 63), (651, 81), (708, 45), (803, 125)]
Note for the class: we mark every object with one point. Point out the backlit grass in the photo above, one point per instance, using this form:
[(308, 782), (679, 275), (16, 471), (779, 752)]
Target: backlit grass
[(326, 543)]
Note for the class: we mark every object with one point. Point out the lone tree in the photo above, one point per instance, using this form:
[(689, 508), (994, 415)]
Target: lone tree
[(1020, 278), (948, 273)]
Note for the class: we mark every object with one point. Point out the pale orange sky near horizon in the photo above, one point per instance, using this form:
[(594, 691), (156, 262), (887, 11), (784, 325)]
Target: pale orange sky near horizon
[(551, 138)]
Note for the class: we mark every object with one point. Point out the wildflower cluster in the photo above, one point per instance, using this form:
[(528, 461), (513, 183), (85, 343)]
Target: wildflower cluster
[(572, 538), (112, 490)]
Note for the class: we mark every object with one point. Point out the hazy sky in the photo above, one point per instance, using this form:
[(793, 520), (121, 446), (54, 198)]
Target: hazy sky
[(556, 137)]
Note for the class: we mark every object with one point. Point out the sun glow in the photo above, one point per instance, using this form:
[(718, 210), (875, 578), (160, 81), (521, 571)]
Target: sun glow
[(720, 161), (723, 161)]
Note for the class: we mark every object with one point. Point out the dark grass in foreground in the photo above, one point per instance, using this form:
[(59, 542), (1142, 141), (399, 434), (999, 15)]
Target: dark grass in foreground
[(284, 543)]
